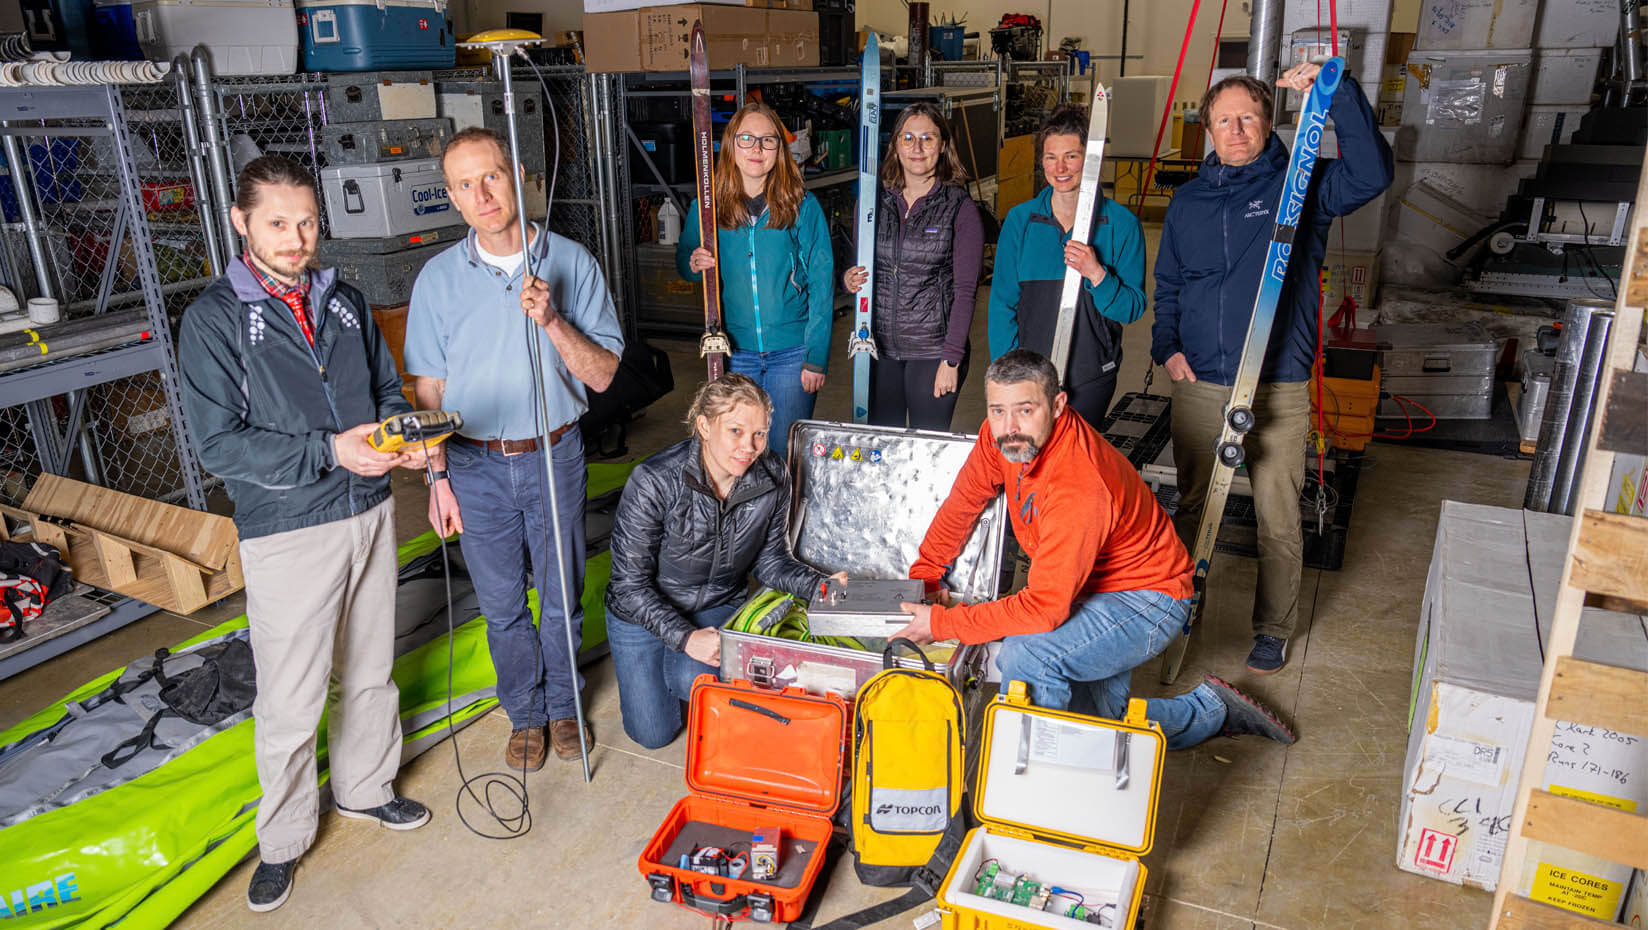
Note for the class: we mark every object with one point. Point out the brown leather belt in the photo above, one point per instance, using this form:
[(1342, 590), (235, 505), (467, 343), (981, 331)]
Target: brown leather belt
[(515, 446)]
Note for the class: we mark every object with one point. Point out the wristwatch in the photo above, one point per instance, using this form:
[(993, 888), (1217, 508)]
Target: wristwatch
[(429, 478)]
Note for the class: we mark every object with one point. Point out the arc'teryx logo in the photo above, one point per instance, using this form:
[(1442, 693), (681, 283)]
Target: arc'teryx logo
[(1255, 204), (922, 810)]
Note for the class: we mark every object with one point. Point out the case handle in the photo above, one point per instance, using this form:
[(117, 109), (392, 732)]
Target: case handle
[(715, 906), (353, 202), (892, 644)]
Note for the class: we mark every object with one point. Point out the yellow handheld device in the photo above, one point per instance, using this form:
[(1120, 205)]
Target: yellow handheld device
[(415, 429)]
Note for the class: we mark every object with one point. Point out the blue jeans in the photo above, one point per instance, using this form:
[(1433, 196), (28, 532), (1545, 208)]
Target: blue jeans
[(506, 531), (654, 679), (1086, 663), (779, 374)]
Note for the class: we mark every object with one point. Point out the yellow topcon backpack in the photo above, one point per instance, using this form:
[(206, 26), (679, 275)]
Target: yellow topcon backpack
[(908, 776)]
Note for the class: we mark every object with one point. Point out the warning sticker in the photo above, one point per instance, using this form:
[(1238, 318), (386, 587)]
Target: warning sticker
[(1577, 891)]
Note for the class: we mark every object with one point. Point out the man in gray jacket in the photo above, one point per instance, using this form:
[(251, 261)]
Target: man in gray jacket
[(284, 376)]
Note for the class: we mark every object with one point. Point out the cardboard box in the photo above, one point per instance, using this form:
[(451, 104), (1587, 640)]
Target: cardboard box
[(1477, 24), (1489, 598), (1349, 273), (1018, 157), (1628, 482), (794, 36), (612, 41), (1010, 192), (732, 35), (612, 6)]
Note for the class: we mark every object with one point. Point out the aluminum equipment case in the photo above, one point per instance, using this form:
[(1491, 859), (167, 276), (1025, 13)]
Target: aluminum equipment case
[(1446, 367), (375, 35), (738, 785), (374, 201), (380, 95), (1066, 801), (378, 141), (861, 501), (481, 103)]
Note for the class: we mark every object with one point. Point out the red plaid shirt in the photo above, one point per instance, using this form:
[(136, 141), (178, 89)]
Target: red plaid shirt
[(295, 296)]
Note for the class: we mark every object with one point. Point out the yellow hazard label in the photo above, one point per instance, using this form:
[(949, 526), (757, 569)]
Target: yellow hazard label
[(1577, 891), (1580, 794)]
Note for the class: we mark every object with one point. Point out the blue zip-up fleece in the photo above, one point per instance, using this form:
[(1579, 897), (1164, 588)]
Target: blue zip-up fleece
[(1216, 233), (777, 285), (1029, 278), (264, 405)]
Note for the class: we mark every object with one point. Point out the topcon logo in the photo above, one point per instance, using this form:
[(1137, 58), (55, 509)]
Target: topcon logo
[(919, 810)]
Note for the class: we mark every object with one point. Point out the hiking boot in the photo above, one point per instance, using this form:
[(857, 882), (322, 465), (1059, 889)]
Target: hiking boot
[(563, 735), (1243, 714), (1268, 656), (525, 749), (399, 814), (271, 885)]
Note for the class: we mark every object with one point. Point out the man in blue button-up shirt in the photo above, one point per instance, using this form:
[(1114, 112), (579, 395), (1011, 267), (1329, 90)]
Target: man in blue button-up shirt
[(473, 309)]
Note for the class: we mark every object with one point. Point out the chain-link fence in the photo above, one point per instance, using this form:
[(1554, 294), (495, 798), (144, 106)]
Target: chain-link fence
[(18, 461)]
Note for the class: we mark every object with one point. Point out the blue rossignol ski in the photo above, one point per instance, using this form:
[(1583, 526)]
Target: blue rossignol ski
[(861, 345), (1229, 453)]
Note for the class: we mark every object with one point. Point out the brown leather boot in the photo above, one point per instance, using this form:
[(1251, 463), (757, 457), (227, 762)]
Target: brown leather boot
[(526, 749), (563, 735)]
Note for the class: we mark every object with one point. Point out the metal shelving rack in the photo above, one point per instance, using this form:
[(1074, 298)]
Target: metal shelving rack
[(623, 149), (79, 157)]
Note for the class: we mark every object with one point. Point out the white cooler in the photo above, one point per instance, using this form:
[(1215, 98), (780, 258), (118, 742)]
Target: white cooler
[(244, 37), (372, 201)]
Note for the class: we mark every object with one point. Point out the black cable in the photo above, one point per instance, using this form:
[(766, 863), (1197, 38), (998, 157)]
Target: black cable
[(492, 782), (1585, 236)]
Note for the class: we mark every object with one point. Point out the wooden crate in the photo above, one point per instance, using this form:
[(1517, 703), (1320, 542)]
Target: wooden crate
[(172, 557)]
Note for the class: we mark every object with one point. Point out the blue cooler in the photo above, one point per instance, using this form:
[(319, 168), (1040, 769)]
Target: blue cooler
[(374, 35), (115, 38)]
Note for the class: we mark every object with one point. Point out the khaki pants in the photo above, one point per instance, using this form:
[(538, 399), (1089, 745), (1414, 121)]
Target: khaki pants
[(321, 601), (1276, 466)]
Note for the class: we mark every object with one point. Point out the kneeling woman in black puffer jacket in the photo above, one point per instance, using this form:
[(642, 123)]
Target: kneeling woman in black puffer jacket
[(694, 521)]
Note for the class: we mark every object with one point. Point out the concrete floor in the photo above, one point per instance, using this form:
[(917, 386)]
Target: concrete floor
[(1248, 834)]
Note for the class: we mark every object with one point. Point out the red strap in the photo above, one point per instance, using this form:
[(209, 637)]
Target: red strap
[(1150, 170), (1213, 60)]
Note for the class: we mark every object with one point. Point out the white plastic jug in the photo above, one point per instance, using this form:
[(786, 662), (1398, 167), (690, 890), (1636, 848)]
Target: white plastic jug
[(669, 223)]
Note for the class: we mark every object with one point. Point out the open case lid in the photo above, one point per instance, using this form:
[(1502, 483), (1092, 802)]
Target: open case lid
[(1080, 780), (784, 749), (864, 496)]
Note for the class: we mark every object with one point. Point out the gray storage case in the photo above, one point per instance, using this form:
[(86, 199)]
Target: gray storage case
[(380, 95), (385, 140), (374, 201), (862, 499), (481, 103), (1446, 367), (385, 279)]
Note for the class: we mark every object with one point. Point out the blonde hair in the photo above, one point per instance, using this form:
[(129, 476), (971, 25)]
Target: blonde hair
[(719, 397), (784, 190)]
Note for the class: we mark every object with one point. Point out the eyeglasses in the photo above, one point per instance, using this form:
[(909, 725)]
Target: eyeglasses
[(748, 141), (926, 140)]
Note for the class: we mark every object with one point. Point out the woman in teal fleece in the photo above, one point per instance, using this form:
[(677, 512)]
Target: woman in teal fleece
[(1034, 250), (777, 270)]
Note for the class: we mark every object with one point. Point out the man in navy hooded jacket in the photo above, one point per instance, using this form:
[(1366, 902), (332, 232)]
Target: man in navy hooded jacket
[(1214, 239)]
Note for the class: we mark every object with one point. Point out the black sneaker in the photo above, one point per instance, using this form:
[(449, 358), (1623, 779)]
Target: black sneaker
[(399, 814), (271, 885), (1245, 715), (1268, 656)]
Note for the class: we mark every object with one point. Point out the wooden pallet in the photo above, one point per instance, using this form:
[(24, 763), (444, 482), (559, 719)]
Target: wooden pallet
[(172, 557), (1607, 566)]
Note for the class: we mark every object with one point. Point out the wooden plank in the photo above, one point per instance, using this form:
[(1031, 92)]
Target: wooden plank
[(1610, 555), (115, 558), (1599, 696), (188, 584), (1636, 281), (1519, 913), (1607, 832), (1625, 419), (200, 537)]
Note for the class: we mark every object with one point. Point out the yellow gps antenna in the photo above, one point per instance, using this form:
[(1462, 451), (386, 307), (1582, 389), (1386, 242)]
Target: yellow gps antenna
[(504, 44)]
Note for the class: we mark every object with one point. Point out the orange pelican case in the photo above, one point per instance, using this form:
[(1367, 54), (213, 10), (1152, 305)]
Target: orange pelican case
[(756, 760)]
